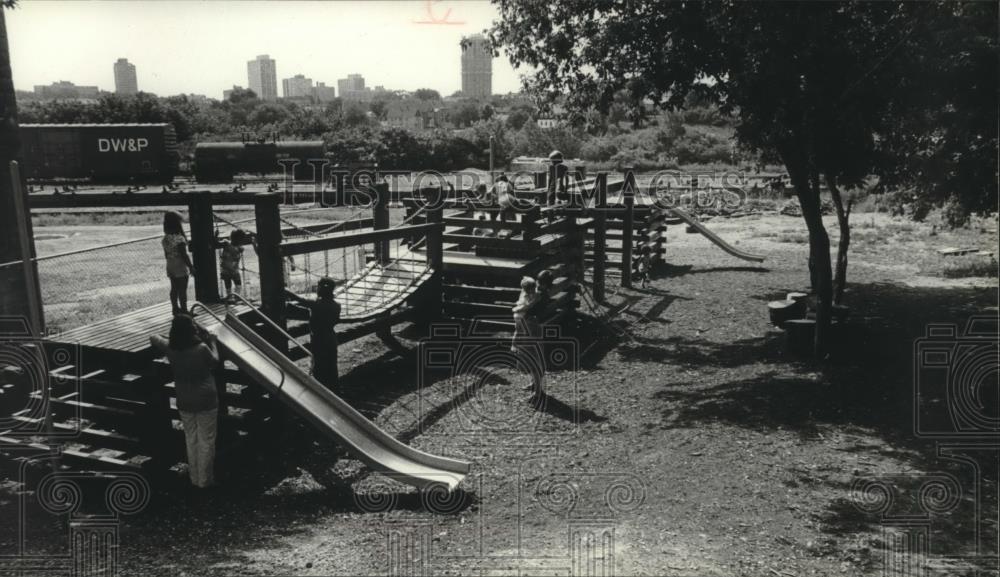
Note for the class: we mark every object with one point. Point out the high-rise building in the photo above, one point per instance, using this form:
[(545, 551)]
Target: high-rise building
[(324, 93), (263, 76), (353, 88), (125, 82), (297, 86), (477, 67)]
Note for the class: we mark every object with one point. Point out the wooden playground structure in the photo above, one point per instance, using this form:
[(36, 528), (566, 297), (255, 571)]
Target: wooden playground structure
[(447, 259)]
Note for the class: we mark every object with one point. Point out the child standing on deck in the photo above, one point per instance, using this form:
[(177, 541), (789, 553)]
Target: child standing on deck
[(229, 262), (179, 267)]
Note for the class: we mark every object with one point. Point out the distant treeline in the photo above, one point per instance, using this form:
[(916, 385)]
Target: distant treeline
[(356, 131)]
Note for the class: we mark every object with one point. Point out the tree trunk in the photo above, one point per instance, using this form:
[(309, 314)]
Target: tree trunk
[(13, 288), (843, 217), (807, 190)]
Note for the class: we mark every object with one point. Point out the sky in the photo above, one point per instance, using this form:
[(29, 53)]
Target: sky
[(202, 47)]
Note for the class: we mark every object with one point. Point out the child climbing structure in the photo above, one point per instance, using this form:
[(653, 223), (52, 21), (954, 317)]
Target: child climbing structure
[(448, 258)]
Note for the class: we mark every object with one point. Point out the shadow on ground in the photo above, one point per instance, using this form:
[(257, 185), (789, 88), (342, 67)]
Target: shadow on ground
[(868, 385)]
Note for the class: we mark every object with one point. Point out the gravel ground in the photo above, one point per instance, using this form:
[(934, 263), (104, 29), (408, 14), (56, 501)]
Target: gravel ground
[(687, 442)]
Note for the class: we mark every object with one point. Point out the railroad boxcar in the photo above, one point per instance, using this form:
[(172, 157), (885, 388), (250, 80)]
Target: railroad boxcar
[(99, 153), (221, 161)]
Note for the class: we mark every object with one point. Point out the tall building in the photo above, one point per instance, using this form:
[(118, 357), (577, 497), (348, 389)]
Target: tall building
[(297, 86), (324, 93), (477, 67), (263, 76), (125, 82), (353, 88)]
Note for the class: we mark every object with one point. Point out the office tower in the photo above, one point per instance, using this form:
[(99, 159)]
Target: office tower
[(324, 93), (297, 86), (263, 77), (477, 67), (353, 88), (125, 82)]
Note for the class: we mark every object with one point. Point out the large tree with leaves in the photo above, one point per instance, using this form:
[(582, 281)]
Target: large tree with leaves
[(812, 84)]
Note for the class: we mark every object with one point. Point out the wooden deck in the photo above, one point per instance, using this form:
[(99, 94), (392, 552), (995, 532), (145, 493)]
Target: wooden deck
[(130, 332)]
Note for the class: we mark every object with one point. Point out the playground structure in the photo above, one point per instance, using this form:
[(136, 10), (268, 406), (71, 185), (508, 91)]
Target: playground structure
[(114, 402)]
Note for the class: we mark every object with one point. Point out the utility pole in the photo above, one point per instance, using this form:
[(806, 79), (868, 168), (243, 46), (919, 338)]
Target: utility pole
[(491, 159)]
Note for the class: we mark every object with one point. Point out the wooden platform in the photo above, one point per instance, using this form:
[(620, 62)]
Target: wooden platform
[(130, 332)]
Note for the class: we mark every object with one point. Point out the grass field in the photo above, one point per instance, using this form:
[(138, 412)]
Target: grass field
[(78, 289)]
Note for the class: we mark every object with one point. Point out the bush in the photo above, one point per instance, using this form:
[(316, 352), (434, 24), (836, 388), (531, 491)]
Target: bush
[(598, 149), (954, 214)]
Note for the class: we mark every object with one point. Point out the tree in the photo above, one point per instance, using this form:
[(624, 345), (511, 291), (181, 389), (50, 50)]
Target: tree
[(465, 114), (379, 109), (242, 95), (518, 117), (943, 141), (427, 94), (14, 291), (354, 115), (810, 83)]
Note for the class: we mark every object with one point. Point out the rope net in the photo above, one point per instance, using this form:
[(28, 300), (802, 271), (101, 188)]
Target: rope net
[(371, 277)]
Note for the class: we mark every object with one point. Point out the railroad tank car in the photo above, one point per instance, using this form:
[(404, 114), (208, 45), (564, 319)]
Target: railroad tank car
[(221, 161), (576, 166), (99, 153)]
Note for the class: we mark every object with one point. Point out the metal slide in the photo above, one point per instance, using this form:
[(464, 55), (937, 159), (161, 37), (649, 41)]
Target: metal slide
[(331, 414), (714, 238)]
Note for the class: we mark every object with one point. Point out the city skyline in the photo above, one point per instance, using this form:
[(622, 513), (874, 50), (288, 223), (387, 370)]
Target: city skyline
[(409, 49)]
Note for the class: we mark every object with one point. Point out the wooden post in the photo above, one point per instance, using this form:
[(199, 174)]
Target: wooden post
[(435, 260), (541, 179), (553, 186), (32, 289), (380, 220), (600, 236), (157, 429), (570, 248), (272, 278), (628, 196), (530, 222), (206, 283)]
